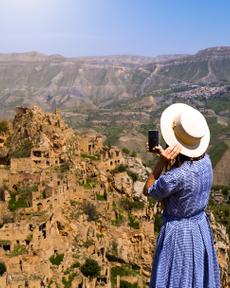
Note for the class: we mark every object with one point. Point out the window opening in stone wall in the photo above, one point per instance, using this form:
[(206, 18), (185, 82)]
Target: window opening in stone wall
[(37, 153)]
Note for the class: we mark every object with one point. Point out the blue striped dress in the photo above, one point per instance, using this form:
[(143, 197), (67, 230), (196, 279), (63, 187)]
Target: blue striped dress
[(185, 256)]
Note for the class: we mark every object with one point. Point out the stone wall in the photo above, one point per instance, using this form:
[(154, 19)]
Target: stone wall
[(90, 144), (18, 165)]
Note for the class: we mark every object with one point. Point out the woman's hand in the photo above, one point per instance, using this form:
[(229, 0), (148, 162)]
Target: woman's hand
[(170, 153), (166, 156)]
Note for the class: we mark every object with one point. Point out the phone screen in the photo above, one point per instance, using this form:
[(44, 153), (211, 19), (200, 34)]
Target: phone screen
[(153, 139)]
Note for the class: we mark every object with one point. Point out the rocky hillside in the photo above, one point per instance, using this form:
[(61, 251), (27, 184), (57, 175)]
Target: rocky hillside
[(72, 210), (95, 82), (121, 96)]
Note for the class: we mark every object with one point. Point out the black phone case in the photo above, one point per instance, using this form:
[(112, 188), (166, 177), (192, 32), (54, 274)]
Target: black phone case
[(153, 139)]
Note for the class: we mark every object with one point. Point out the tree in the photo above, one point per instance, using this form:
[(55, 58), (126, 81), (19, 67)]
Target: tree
[(90, 268)]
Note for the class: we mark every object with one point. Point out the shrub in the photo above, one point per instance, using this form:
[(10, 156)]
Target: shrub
[(119, 219), (2, 268), (126, 284), (68, 282), (88, 243), (91, 182), (18, 250), (151, 202), (3, 126), (133, 175), (120, 168), (56, 259), (129, 205), (123, 270), (125, 150), (90, 210), (91, 156), (15, 204), (24, 150), (20, 198), (102, 197), (134, 223), (90, 268)]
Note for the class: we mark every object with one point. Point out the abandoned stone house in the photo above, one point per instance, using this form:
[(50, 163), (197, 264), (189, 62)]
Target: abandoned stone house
[(90, 144), (110, 158), (13, 234), (52, 191)]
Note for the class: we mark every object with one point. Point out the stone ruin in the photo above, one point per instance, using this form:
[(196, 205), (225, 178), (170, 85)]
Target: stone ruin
[(62, 172)]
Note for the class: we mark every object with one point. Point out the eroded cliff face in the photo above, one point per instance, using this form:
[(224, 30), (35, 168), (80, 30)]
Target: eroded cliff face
[(72, 198), (222, 248), (91, 82)]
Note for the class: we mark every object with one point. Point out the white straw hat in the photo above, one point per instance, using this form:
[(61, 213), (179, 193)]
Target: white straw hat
[(180, 123)]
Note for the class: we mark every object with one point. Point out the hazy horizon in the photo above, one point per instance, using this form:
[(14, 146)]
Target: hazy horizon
[(85, 28)]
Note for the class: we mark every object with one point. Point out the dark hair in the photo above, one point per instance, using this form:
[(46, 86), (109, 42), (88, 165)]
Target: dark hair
[(180, 159)]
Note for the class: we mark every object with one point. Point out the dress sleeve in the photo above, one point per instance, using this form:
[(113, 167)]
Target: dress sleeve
[(164, 186)]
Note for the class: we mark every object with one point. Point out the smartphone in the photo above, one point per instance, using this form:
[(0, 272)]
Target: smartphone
[(153, 139)]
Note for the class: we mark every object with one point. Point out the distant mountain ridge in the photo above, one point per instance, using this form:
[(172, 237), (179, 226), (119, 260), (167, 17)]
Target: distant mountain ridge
[(35, 78)]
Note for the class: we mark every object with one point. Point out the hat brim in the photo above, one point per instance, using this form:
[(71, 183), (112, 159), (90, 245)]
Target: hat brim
[(166, 125)]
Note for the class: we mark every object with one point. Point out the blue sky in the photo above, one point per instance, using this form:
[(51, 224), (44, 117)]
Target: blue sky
[(109, 27)]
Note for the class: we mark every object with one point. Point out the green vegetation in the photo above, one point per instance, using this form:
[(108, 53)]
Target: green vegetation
[(15, 203), (112, 133), (56, 259), (143, 128), (120, 168), (217, 152), (221, 211), (133, 154), (24, 150), (20, 198), (90, 183), (18, 250), (67, 282), (101, 197), (130, 204), (73, 202), (88, 243), (133, 222), (124, 270), (126, 284), (3, 126), (125, 150), (90, 210), (5, 242), (119, 218), (218, 104), (217, 130), (2, 268), (151, 202), (157, 223), (90, 268), (133, 175), (91, 156)]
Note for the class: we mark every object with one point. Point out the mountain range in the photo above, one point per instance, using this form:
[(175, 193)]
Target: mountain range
[(122, 96), (99, 82)]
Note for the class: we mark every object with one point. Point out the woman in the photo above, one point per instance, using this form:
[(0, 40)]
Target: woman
[(185, 256)]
